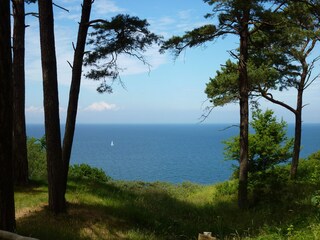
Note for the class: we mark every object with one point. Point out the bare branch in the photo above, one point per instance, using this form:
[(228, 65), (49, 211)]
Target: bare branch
[(70, 64), (270, 98), (34, 14), (97, 21), (226, 128), (205, 115), (58, 6)]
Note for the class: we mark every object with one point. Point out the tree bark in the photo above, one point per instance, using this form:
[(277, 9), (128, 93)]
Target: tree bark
[(75, 87), (20, 158), (244, 111), (298, 122), (57, 202), (7, 211), (296, 146)]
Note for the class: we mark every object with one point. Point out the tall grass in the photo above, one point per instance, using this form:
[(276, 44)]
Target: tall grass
[(138, 210)]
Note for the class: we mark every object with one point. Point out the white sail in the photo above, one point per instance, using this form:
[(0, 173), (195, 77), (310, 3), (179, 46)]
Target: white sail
[(111, 144)]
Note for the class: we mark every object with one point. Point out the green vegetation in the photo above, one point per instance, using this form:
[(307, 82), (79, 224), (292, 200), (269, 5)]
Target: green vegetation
[(107, 209), (268, 145), (37, 158), (85, 172)]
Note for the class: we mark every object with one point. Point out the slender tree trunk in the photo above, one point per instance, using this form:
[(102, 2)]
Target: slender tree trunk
[(20, 158), (296, 146), (7, 211), (75, 87), (298, 124), (57, 202), (244, 112)]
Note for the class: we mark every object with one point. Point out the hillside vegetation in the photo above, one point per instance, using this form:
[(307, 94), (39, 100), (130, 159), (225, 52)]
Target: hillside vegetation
[(107, 209)]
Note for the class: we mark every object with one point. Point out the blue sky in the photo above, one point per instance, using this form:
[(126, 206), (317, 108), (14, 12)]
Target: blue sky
[(171, 92)]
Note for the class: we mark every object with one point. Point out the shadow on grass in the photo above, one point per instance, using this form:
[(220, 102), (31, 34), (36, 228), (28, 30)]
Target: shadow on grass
[(34, 186), (150, 211)]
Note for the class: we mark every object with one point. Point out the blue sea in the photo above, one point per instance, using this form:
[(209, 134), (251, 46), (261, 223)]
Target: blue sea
[(172, 153)]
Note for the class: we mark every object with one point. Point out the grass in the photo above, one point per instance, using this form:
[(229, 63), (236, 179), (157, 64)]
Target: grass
[(163, 211)]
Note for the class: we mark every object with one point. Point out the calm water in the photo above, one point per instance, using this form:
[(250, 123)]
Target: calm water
[(173, 153)]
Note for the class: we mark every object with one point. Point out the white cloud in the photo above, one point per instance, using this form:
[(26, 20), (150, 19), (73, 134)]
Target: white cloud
[(33, 109), (185, 14), (165, 21), (100, 106), (103, 7), (62, 109), (132, 65)]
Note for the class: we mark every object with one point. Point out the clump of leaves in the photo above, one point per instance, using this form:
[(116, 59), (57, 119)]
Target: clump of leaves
[(37, 158), (86, 172)]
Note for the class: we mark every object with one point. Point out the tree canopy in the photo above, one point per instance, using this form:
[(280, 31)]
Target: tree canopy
[(123, 35)]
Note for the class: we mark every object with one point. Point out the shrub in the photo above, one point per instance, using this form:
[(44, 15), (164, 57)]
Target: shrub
[(309, 169), (226, 188), (268, 146), (86, 172), (37, 158), (270, 185), (315, 156)]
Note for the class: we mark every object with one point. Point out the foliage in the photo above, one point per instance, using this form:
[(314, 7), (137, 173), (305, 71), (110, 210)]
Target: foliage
[(268, 146), (315, 156), (226, 188), (37, 158), (123, 35), (277, 56), (269, 186), (86, 172), (315, 199), (196, 37), (309, 170), (228, 20), (224, 87)]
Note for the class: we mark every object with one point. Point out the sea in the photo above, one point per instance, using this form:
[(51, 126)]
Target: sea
[(174, 153)]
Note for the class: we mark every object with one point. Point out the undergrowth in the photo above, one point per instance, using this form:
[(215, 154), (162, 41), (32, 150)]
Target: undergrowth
[(106, 209)]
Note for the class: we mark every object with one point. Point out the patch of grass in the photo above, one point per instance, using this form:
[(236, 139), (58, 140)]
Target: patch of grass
[(163, 211)]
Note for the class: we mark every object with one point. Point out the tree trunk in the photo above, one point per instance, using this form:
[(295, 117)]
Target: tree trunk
[(244, 111), (75, 87), (7, 211), (298, 123), (20, 158), (51, 108), (296, 146)]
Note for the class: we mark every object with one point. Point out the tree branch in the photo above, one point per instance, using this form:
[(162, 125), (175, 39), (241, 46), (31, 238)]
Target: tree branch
[(58, 6), (270, 98)]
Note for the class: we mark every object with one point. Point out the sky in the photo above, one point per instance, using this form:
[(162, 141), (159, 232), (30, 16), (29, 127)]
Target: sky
[(170, 92)]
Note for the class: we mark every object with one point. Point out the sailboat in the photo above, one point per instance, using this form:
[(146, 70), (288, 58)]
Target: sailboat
[(111, 144)]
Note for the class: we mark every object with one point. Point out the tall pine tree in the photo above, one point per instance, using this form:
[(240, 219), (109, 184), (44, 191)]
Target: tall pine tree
[(242, 19)]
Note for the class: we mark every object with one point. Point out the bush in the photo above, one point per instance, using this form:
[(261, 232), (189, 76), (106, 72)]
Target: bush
[(270, 185), (226, 188), (37, 158), (315, 156), (268, 145), (86, 172), (309, 170)]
